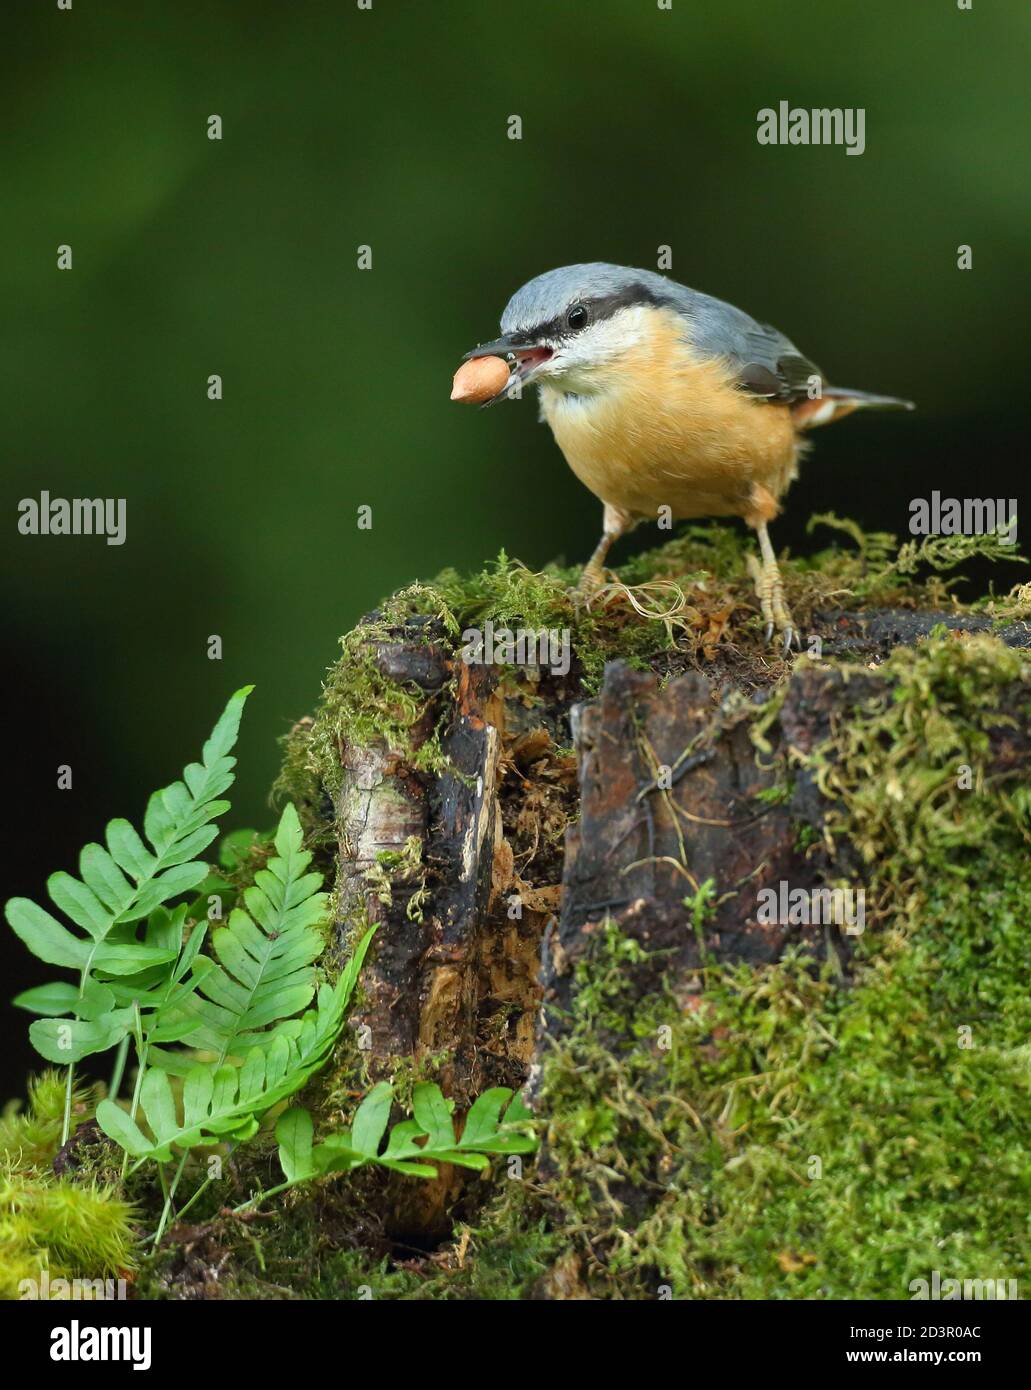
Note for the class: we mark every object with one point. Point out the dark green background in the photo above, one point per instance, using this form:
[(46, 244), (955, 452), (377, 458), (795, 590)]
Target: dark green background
[(388, 127)]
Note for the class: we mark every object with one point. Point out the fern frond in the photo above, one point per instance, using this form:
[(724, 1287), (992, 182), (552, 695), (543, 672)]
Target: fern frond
[(265, 954), (414, 1146), (226, 1101), (120, 885)]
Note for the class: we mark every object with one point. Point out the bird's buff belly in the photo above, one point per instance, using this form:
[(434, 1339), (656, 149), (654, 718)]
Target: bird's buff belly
[(696, 444)]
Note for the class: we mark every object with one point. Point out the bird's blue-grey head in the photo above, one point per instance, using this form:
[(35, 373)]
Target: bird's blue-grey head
[(560, 327)]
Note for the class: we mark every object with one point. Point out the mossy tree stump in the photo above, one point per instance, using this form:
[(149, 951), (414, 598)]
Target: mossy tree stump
[(557, 862), (675, 824), (566, 865)]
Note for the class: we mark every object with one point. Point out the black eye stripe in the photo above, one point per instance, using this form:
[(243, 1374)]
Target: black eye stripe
[(598, 309)]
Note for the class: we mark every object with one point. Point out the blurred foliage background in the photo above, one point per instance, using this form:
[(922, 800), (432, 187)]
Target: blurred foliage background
[(387, 127)]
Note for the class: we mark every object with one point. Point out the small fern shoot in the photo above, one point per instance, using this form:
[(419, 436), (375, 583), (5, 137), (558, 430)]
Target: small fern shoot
[(413, 1147)]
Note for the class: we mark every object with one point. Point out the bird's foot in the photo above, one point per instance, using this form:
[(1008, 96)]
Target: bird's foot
[(591, 580), (769, 588)]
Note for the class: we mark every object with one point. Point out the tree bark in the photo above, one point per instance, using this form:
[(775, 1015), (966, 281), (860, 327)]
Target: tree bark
[(485, 918)]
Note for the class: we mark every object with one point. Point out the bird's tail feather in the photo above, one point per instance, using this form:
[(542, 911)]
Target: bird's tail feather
[(838, 401)]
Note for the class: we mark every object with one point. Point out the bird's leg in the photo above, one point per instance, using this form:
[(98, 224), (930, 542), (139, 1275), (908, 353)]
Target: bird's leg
[(770, 588), (615, 523), (593, 575)]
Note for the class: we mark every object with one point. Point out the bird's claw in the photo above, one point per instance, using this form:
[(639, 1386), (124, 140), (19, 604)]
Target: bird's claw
[(769, 588), (591, 580)]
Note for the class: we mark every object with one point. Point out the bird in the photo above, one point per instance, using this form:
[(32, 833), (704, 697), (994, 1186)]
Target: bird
[(662, 397)]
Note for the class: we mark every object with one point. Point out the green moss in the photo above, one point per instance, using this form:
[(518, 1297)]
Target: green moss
[(31, 1135), (785, 1138), (681, 594), (880, 571), (395, 867), (909, 775), (362, 706), (73, 1228), (500, 1257), (709, 563), (778, 1136)]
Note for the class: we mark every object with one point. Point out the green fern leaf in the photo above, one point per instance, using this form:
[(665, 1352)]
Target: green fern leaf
[(66, 1040), (370, 1121), (118, 887), (430, 1137), (433, 1114), (265, 954), (62, 997), (228, 1101), (414, 1146), (485, 1130), (294, 1136)]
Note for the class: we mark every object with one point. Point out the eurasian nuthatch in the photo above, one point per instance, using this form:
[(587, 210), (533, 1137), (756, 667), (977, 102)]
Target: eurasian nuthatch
[(660, 396)]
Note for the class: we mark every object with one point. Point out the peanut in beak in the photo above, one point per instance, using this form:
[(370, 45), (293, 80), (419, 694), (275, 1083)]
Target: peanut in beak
[(479, 379)]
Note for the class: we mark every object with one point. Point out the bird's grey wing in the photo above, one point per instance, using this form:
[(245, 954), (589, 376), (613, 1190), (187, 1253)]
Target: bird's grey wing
[(767, 363)]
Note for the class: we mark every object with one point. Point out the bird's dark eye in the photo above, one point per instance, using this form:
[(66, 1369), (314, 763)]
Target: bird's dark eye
[(577, 316)]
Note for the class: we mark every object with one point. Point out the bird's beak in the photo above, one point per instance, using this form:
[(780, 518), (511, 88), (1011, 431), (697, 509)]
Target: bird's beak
[(501, 347), (524, 356)]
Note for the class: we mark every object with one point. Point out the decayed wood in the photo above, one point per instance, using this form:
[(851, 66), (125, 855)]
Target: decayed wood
[(381, 806), (627, 847), (862, 636), (670, 801), (639, 851), (482, 919), (453, 975)]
